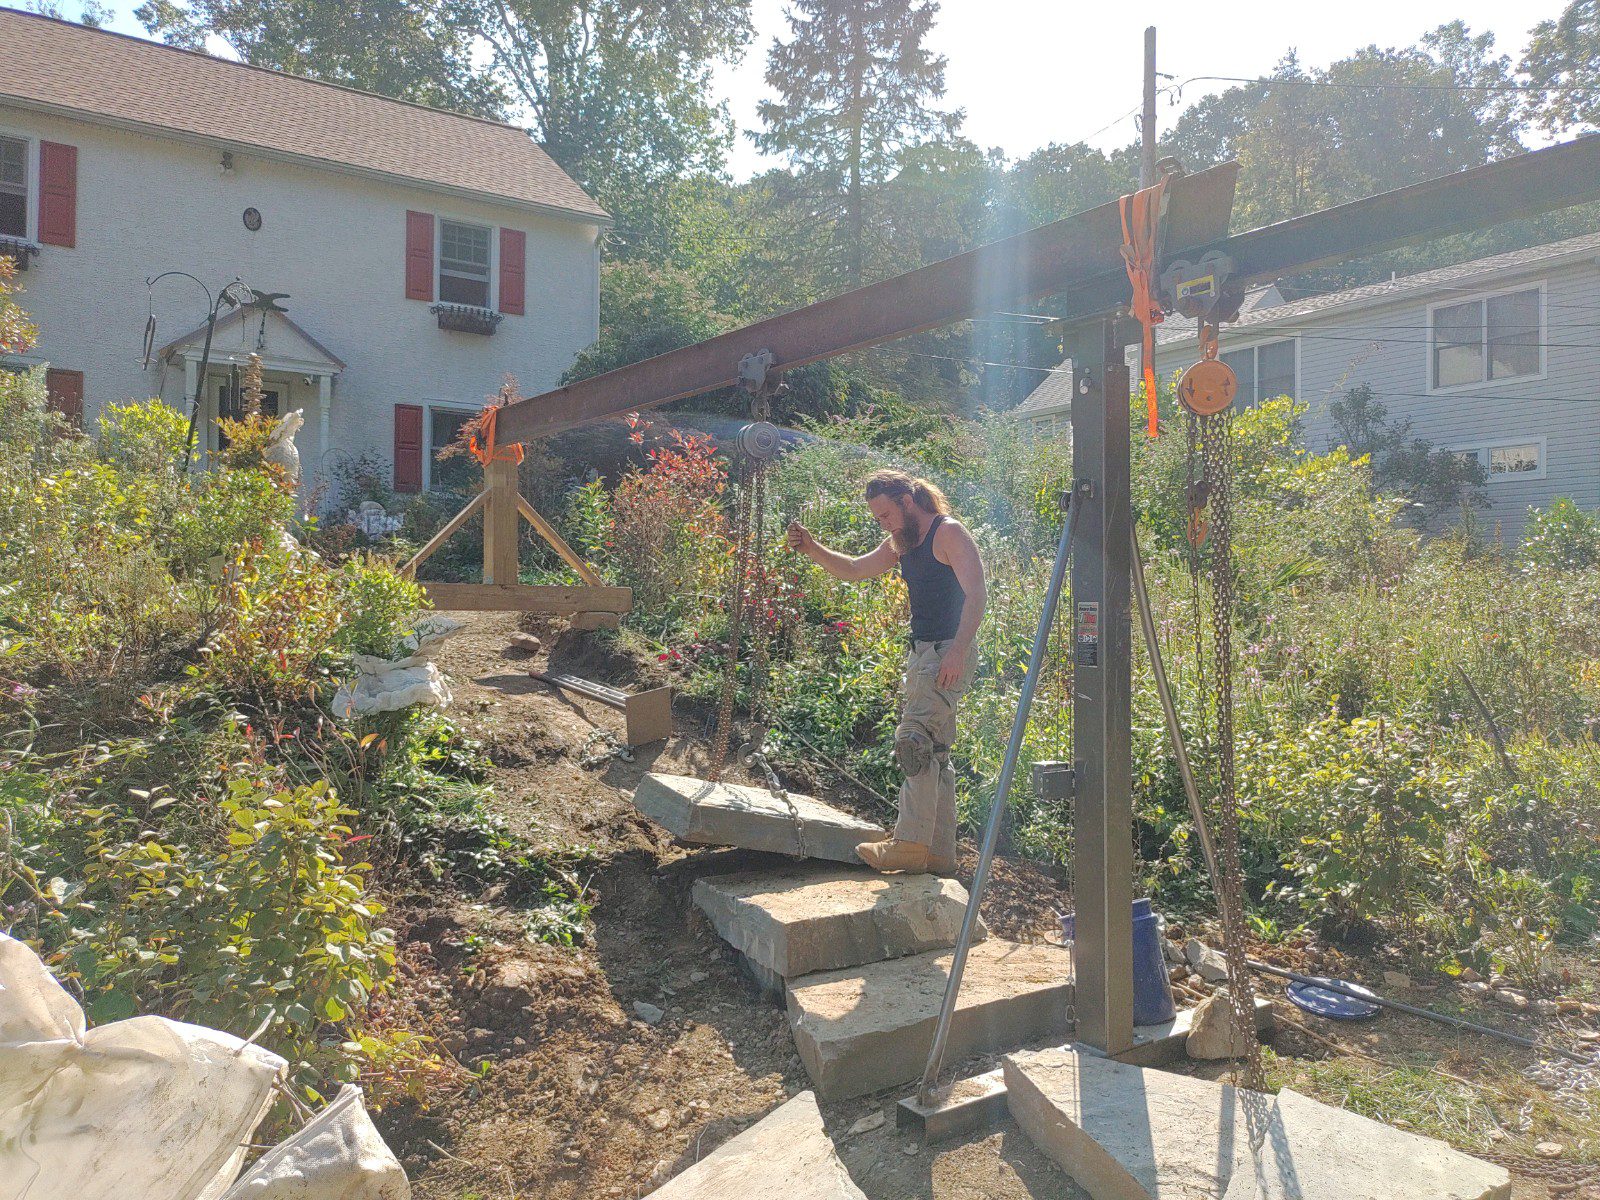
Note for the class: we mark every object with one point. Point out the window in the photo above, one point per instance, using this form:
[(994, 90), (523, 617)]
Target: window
[(458, 472), (1052, 426), (13, 188), (1506, 461), (1487, 340), (463, 264), (1265, 371)]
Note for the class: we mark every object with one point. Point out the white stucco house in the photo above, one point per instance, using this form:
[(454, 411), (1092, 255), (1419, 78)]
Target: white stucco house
[(426, 256)]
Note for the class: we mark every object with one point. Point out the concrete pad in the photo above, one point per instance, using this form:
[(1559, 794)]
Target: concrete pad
[(1126, 1133), (784, 1154), (870, 1027), (730, 814), (1167, 1042), (807, 917), (1315, 1152)]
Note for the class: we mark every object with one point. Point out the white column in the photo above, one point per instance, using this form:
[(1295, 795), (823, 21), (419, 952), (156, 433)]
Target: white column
[(191, 374), (324, 405)]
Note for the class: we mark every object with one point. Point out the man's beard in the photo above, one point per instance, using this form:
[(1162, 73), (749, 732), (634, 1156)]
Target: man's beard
[(905, 538)]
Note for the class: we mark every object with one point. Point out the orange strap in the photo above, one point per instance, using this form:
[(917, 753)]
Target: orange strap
[(486, 451), (1141, 227)]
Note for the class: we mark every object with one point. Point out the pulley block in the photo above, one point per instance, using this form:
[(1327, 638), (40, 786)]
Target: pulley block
[(1208, 387), (760, 440)]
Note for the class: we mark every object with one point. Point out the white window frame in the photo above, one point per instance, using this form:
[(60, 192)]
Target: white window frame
[(1481, 450), (1483, 298), (1254, 347), (30, 164), (439, 220), (429, 407)]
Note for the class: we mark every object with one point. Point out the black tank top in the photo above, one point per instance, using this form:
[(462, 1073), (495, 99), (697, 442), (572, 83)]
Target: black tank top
[(936, 595)]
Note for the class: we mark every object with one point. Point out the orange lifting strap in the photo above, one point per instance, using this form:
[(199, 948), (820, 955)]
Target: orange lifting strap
[(1141, 232), (486, 451)]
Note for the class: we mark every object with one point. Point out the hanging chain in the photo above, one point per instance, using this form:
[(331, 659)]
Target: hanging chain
[(736, 599), (1216, 478)]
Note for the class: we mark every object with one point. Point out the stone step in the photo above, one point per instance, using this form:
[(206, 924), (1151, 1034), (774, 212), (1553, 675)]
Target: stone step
[(1315, 1152), (731, 814), (786, 1154), (1129, 1133), (869, 1027), (800, 918)]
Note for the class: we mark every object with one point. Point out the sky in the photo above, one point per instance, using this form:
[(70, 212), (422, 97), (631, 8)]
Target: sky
[(1032, 72)]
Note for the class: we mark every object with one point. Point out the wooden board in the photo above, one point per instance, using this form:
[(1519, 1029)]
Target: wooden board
[(558, 601)]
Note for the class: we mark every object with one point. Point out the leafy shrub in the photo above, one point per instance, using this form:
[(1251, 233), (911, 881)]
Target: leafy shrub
[(1562, 536)]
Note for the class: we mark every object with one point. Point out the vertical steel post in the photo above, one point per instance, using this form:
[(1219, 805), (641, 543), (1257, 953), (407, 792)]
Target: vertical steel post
[(1147, 129), (1102, 852)]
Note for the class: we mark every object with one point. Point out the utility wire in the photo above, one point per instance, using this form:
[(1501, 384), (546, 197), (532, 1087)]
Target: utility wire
[(1397, 87)]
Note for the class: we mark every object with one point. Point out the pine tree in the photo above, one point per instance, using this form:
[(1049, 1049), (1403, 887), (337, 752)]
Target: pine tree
[(856, 87)]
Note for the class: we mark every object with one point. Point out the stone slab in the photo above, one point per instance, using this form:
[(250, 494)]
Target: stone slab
[(1128, 1133), (786, 1154), (977, 1102), (1315, 1152), (731, 814), (807, 917), (869, 1027), (1167, 1042)]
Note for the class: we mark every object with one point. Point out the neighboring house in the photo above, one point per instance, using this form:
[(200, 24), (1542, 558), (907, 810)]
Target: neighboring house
[(426, 255)]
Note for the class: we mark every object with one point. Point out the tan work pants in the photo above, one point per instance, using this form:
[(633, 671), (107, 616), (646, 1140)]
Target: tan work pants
[(922, 744)]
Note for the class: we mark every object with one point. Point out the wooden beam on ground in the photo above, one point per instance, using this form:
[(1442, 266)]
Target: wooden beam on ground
[(501, 563), (568, 555), (992, 278), (556, 601), (439, 539)]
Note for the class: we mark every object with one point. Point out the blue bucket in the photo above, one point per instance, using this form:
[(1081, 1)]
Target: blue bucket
[(1152, 993)]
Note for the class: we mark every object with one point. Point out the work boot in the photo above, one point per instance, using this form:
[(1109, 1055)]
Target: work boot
[(938, 865), (894, 855)]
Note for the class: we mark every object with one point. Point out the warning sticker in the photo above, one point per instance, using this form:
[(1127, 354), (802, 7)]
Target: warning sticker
[(1088, 647)]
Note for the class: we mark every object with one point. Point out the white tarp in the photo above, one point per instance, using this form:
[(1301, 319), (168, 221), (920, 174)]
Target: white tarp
[(387, 685), (146, 1108), (338, 1155)]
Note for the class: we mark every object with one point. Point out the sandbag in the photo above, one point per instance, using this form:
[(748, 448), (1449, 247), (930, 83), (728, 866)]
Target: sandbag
[(338, 1155), (388, 685), (147, 1107)]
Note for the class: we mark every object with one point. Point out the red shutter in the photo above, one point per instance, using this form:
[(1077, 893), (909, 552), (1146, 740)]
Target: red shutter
[(408, 447), (58, 194), (513, 271), (65, 389), (419, 256)]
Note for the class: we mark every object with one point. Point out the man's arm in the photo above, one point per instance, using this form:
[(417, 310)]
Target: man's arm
[(953, 546), (842, 566)]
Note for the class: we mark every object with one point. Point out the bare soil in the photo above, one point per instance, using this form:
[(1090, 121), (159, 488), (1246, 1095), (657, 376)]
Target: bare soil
[(565, 1090)]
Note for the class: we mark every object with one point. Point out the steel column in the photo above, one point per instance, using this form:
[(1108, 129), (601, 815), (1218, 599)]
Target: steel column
[(1102, 842)]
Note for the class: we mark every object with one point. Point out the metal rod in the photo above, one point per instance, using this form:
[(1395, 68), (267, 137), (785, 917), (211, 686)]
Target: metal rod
[(1147, 125), (1338, 989), (1174, 730), (1008, 769)]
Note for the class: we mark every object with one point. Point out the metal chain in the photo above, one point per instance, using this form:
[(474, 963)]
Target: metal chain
[(611, 747), (1216, 478), (730, 668)]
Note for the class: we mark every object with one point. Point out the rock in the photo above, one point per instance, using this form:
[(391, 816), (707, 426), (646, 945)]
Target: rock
[(698, 977), (507, 983), (1397, 979), (911, 1149), (647, 1012), (1479, 990), (658, 1120), (480, 1037), (864, 1028), (1546, 1008), (1214, 1033), (807, 917), (1172, 952), (873, 1120), (525, 641), (786, 1154), (1514, 1001), (1468, 975), (1177, 974), (729, 814), (1211, 965), (1549, 1149)]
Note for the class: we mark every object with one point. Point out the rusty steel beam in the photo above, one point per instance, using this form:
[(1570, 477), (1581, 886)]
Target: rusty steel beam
[(1040, 262)]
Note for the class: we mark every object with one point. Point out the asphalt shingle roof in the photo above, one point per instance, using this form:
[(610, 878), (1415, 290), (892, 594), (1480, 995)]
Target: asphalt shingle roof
[(63, 66), (1054, 392)]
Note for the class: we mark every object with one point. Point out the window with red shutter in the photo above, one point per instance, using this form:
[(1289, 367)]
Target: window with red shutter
[(65, 390), (419, 256), (408, 447), (513, 271), (58, 194)]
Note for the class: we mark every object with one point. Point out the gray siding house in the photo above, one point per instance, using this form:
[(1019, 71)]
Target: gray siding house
[(1498, 358)]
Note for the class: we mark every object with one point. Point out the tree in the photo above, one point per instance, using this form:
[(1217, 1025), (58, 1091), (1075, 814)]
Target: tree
[(1437, 482), (855, 85), (91, 12), (1564, 55), (413, 50)]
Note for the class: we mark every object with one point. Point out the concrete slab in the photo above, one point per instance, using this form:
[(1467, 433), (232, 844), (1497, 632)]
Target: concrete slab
[(870, 1027), (1315, 1152), (976, 1102), (784, 1154), (807, 917), (1126, 1133), (730, 814)]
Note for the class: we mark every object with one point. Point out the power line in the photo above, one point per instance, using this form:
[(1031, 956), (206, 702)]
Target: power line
[(1396, 87)]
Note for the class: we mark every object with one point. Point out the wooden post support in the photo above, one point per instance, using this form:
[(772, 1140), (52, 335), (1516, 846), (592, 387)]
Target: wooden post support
[(500, 558)]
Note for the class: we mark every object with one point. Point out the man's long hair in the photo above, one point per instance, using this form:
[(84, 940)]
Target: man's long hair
[(897, 486)]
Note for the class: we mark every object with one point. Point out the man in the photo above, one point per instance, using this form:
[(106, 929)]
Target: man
[(944, 575)]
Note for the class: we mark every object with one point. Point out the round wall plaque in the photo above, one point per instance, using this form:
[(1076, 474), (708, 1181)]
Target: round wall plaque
[(252, 219)]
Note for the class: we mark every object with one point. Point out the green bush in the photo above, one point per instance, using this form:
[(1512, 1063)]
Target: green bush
[(1562, 536)]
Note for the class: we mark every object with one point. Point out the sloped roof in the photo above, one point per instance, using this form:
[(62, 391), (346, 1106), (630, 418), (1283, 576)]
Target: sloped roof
[(111, 77), (1441, 279), (1054, 393)]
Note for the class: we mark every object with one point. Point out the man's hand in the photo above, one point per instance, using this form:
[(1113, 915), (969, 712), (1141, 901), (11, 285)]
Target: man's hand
[(951, 667), (799, 537)]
